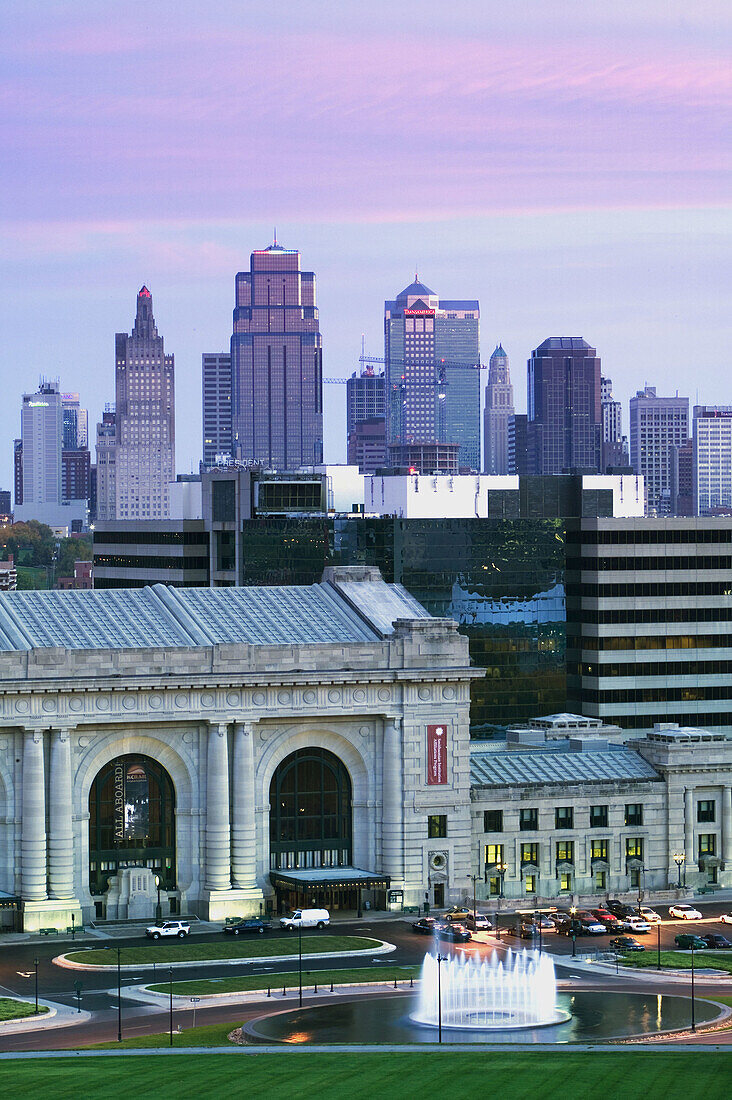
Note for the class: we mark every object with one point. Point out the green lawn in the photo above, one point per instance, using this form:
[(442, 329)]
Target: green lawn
[(228, 947), (681, 960), (10, 1009), (630, 1074), (204, 987)]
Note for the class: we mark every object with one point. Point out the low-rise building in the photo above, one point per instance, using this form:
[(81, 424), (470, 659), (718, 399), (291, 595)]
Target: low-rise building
[(581, 818)]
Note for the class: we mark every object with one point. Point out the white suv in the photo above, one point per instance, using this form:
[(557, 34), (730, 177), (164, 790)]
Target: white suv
[(180, 928)]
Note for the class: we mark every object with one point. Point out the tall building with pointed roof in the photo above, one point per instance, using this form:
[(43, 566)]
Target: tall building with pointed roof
[(432, 350), (144, 425), (277, 363), (497, 415)]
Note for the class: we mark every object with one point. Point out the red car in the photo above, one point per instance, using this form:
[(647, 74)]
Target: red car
[(606, 917)]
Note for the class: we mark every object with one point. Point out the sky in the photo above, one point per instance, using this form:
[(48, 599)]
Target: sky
[(567, 163)]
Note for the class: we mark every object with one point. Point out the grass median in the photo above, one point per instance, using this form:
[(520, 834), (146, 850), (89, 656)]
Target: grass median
[(10, 1009), (681, 960), (226, 948), (634, 1075), (243, 983)]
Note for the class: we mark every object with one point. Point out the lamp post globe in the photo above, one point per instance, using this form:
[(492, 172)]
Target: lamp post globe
[(158, 907)]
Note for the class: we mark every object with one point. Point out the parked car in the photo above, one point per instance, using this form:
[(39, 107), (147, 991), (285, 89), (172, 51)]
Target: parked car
[(638, 925), (563, 924), (458, 913), (726, 918), (478, 923), (687, 939), (626, 943), (547, 924), (684, 912), (590, 926), (250, 924), (607, 918), (650, 914), (305, 918), (180, 928), (454, 932), (425, 926), (620, 909), (714, 940)]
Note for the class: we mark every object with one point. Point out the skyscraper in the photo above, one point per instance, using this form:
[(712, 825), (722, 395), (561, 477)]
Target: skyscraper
[(498, 412), (144, 443), (656, 425), (432, 350), (712, 461), (564, 406), (106, 469), (366, 420), (216, 382), (614, 445), (277, 363), (38, 464)]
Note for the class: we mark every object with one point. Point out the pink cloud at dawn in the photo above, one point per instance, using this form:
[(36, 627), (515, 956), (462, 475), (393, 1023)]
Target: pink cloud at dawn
[(368, 126)]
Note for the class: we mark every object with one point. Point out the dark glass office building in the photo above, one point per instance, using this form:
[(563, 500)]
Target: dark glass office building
[(277, 363), (564, 412)]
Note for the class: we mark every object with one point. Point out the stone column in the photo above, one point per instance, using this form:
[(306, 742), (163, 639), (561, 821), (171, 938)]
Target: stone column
[(218, 858), (727, 826), (689, 827), (392, 819), (60, 827), (243, 827), (33, 825)]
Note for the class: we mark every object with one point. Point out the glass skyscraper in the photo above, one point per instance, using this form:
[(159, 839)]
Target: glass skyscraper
[(564, 416), (276, 363), (432, 351)]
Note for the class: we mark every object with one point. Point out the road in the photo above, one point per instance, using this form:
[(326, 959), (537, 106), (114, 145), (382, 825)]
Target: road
[(99, 989)]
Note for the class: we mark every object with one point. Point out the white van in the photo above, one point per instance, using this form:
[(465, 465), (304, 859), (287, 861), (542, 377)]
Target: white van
[(306, 918)]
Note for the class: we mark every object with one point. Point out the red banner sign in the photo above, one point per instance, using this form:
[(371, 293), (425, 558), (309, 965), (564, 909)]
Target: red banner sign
[(436, 755)]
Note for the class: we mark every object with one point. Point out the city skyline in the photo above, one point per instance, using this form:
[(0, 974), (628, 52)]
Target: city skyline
[(625, 244)]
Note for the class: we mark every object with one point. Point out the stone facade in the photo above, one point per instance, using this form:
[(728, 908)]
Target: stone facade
[(219, 719)]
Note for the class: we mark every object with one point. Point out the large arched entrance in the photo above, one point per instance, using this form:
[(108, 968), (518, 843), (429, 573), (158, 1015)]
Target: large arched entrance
[(131, 821), (311, 832)]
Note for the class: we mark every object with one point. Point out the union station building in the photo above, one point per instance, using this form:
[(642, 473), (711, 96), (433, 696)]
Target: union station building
[(227, 751), (237, 748)]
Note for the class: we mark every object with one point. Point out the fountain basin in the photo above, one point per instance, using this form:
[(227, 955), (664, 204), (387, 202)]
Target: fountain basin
[(517, 990)]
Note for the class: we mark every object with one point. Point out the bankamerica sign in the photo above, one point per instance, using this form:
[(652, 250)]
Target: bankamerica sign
[(436, 755)]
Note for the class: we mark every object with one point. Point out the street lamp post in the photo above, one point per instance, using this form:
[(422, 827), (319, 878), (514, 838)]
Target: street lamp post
[(474, 879), (502, 868), (158, 908), (572, 911), (299, 954), (679, 858), (35, 963), (170, 1002), (440, 959), (119, 995), (693, 1022), (658, 945)]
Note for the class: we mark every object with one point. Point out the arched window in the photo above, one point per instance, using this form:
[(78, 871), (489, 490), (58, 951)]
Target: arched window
[(131, 821), (310, 812)]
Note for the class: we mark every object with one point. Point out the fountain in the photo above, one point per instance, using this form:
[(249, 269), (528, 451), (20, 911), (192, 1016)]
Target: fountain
[(519, 991)]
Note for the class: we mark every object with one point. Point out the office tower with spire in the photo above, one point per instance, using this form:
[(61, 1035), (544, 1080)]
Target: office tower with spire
[(143, 451), (277, 363), (497, 415), (432, 353), (564, 416), (656, 425)]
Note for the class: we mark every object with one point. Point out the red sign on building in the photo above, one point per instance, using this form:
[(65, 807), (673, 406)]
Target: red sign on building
[(436, 755)]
